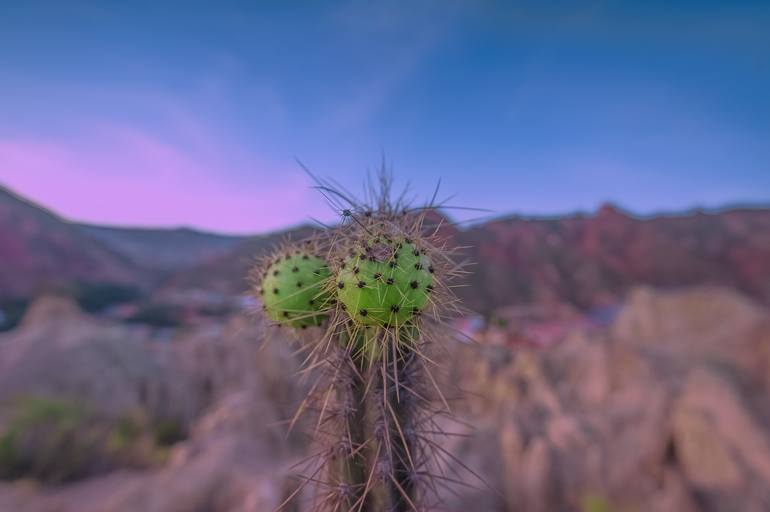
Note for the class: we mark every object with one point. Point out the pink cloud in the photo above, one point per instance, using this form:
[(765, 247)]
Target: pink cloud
[(122, 175)]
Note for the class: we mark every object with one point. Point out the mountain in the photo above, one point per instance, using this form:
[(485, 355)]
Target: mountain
[(163, 250), (38, 248), (586, 261), (592, 261), (227, 273)]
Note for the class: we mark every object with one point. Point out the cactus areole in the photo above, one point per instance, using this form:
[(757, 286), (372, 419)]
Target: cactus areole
[(293, 290), (384, 282)]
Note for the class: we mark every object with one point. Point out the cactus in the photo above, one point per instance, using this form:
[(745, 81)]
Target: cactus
[(292, 288), (381, 301), (385, 283)]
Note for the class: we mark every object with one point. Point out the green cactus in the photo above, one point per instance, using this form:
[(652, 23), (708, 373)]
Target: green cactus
[(385, 283), (293, 289), (374, 393)]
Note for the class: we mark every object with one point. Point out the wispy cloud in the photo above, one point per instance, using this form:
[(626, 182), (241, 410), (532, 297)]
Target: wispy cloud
[(401, 38)]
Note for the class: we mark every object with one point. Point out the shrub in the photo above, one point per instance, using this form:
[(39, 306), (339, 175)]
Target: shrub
[(57, 440)]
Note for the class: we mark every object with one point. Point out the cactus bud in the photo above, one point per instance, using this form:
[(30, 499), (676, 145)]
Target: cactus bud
[(384, 282), (293, 289)]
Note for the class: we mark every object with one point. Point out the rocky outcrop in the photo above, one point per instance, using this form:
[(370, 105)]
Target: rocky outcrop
[(664, 412), (667, 410), (60, 352), (226, 389)]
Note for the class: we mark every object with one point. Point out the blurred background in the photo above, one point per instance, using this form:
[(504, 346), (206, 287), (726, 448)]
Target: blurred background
[(150, 151)]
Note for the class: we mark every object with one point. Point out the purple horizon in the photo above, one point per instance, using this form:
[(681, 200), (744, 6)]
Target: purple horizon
[(130, 178)]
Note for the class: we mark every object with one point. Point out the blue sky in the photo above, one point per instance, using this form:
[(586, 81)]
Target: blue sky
[(192, 113)]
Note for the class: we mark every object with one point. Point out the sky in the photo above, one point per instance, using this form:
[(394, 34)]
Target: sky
[(188, 113)]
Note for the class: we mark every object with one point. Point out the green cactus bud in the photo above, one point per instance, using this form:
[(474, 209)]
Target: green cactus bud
[(293, 289), (385, 283)]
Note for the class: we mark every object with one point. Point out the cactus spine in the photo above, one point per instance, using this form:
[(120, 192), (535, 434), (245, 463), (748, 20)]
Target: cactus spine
[(377, 286)]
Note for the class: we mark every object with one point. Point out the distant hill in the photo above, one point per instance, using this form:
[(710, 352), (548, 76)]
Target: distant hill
[(592, 260), (38, 248), (164, 250), (587, 261), (227, 272)]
